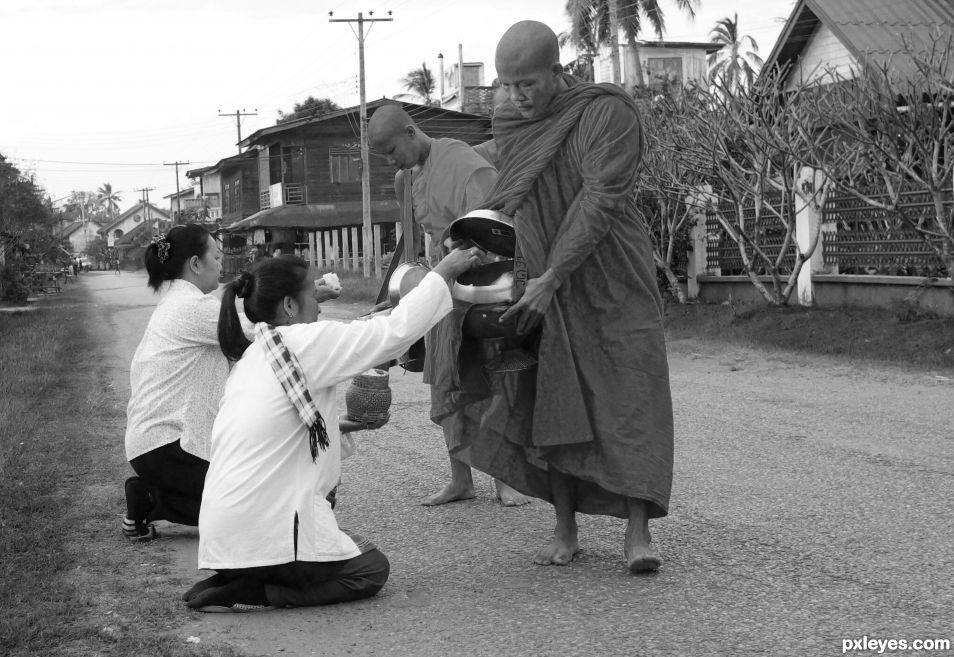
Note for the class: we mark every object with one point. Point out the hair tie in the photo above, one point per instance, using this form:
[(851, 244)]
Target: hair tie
[(162, 246), (243, 285)]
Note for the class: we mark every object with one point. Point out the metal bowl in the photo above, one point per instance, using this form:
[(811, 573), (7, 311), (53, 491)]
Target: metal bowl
[(491, 230), (405, 278), (489, 283)]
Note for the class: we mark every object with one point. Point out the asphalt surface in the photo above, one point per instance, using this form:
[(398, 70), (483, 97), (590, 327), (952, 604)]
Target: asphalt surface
[(812, 504)]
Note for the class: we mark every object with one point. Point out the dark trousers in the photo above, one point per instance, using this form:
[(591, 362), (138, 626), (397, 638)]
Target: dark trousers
[(169, 486), (312, 583)]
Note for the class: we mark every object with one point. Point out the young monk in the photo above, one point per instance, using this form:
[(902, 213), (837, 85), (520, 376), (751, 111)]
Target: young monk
[(266, 526), (448, 179), (597, 429)]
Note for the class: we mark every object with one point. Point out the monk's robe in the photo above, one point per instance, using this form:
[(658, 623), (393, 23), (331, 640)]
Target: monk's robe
[(597, 406)]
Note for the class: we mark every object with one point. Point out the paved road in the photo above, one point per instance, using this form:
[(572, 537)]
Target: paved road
[(812, 504)]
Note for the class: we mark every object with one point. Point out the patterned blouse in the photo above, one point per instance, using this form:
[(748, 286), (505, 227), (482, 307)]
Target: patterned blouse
[(177, 374)]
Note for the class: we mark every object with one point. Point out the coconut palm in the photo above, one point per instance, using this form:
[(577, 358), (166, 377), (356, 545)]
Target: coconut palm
[(108, 200), (590, 23), (735, 66), (420, 81)]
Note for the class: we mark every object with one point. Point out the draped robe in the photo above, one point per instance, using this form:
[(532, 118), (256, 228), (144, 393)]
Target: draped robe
[(597, 406)]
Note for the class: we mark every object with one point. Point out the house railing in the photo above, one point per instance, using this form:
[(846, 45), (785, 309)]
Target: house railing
[(294, 193)]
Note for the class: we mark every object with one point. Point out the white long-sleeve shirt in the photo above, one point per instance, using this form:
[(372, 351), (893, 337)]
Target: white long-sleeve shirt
[(177, 374), (262, 475)]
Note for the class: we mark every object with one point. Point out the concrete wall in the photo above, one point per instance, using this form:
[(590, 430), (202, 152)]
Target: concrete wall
[(839, 290)]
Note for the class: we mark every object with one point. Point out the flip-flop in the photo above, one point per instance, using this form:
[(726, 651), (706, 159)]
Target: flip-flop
[(237, 608)]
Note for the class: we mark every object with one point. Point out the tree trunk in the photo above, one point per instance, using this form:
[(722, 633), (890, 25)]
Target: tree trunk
[(671, 279), (614, 40)]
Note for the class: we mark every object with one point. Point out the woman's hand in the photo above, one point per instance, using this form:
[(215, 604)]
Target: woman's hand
[(324, 292), (347, 425), (458, 261)]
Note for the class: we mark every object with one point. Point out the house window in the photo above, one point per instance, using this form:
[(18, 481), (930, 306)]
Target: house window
[(345, 165), (664, 70)]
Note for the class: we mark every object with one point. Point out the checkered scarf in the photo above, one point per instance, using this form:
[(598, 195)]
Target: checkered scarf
[(293, 381)]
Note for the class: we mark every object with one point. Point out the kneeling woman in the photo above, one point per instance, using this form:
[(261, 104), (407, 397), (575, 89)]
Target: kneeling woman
[(266, 526)]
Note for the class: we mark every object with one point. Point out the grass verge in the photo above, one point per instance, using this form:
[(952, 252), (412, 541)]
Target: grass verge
[(859, 335), (71, 585)]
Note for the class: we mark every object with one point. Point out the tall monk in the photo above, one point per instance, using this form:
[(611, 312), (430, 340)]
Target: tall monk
[(591, 430), (448, 180)]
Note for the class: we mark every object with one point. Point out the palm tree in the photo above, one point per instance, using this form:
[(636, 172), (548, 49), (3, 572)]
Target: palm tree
[(734, 67), (421, 82), (108, 200), (590, 23)]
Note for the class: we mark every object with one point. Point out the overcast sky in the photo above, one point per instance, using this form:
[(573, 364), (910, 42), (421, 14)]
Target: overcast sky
[(97, 91)]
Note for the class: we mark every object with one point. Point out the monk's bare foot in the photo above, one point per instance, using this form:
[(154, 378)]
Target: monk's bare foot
[(508, 496), (452, 492), (641, 554), (643, 558), (558, 552)]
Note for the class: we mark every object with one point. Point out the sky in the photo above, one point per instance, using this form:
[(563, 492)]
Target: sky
[(97, 91)]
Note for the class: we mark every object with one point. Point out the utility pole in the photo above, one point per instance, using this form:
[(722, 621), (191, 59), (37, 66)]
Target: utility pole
[(145, 207), (238, 122), (365, 155), (178, 200)]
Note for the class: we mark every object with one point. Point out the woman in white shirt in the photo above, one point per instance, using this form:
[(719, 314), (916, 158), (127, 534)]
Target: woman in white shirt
[(176, 376), (265, 524)]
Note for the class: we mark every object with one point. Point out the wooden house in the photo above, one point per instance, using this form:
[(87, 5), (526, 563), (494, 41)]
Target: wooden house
[(823, 36), (656, 64), (224, 193), (309, 172)]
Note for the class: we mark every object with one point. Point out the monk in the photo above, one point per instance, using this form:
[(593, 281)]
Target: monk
[(448, 179), (591, 429)]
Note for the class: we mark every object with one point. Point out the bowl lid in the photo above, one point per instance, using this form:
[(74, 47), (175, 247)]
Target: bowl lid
[(489, 229)]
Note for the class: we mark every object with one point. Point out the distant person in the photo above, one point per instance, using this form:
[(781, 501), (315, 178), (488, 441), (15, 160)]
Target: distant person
[(176, 378), (266, 524), (448, 180)]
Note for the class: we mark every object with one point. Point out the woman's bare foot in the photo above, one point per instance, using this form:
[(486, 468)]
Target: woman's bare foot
[(508, 496), (208, 583), (558, 552), (452, 492), (242, 590)]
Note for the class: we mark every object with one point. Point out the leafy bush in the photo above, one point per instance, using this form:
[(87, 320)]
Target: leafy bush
[(13, 287)]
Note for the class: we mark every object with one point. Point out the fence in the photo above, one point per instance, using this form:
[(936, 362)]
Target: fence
[(722, 254), (857, 238), (867, 240)]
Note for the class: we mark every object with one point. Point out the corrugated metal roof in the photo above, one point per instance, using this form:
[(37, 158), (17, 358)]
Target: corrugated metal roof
[(875, 29)]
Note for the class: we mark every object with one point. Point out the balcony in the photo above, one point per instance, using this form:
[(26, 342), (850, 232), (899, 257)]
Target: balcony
[(282, 194)]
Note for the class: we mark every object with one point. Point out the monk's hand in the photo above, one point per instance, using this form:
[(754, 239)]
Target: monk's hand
[(529, 310)]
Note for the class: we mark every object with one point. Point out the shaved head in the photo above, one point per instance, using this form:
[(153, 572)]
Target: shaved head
[(528, 45), (387, 121), (528, 67), (393, 134)]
